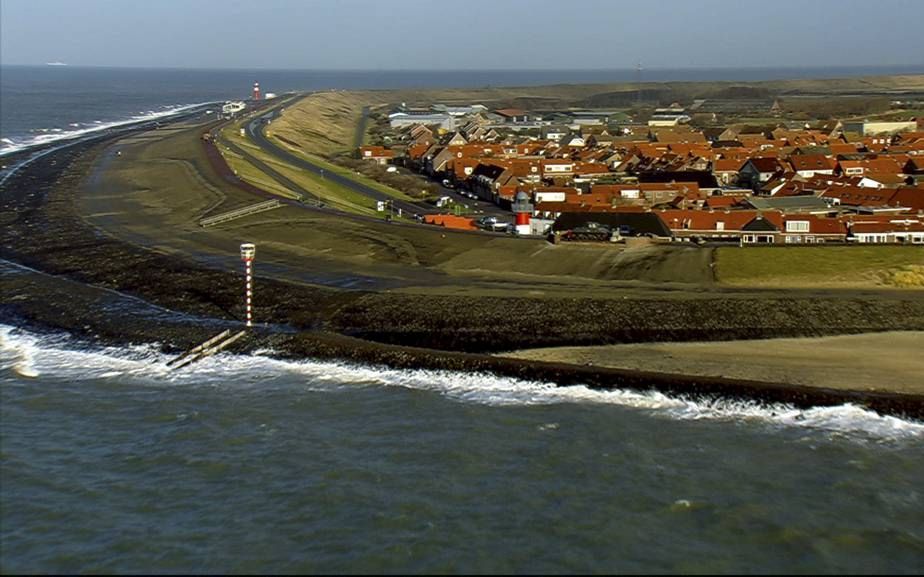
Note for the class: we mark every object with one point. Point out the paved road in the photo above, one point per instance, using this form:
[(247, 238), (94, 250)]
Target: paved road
[(256, 127), (361, 128), (255, 131), (470, 205)]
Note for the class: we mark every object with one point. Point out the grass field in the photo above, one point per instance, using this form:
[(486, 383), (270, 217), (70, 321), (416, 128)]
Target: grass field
[(342, 171), (250, 173), (822, 266), (335, 168), (332, 194), (322, 123)]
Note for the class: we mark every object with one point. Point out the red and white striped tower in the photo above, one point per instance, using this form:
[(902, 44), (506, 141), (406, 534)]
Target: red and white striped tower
[(256, 91), (248, 252)]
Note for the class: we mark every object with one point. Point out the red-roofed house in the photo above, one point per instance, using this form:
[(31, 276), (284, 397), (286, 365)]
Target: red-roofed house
[(861, 167), (809, 229), (886, 229), (721, 202), (909, 197), (859, 195), (811, 164), (747, 226), (725, 170)]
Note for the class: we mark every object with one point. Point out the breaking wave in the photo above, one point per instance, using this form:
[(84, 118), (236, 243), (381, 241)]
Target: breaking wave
[(49, 135), (33, 356)]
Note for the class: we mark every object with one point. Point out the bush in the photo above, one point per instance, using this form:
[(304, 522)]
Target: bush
[(911, 276)]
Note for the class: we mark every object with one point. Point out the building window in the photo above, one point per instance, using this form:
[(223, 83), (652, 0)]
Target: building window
[(797, 226)]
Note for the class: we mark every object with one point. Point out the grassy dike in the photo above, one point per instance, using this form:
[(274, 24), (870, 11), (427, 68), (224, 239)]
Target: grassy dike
[(331, 193), (822, 266)]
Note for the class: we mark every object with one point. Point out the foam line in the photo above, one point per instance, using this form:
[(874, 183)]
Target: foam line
[(30, 355), (50, 135)]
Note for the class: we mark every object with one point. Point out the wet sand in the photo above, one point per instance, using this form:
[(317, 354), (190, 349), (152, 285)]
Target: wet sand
[(888, 361)]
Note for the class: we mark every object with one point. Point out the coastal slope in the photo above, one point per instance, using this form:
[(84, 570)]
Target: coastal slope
[(890, 361)]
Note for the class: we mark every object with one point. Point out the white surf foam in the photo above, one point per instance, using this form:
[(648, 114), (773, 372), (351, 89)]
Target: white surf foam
[(50, 135), (61, 358)]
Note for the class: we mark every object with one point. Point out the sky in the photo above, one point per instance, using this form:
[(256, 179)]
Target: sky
[(462, 34)]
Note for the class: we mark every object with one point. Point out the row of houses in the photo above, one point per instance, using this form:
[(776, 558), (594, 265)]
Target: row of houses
[(750, 226), (817, 172), (765, 170)]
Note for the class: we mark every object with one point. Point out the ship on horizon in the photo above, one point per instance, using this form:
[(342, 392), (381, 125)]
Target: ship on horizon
[(55, 64)]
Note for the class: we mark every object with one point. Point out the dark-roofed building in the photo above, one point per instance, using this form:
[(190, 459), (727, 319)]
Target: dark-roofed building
[(625, 223), (793, 204), (758, 171), (513, 115), (484, 180), (704, 179)]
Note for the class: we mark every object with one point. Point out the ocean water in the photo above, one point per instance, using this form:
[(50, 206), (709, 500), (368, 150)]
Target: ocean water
[(41, 104), (111, 463)]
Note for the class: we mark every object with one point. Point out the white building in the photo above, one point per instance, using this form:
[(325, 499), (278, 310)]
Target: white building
[(232, 108)]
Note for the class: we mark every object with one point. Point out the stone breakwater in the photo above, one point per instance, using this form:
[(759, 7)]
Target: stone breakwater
[(103, 289)]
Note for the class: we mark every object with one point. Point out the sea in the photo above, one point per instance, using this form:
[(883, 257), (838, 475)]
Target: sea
[(42, 104), (111, 463)]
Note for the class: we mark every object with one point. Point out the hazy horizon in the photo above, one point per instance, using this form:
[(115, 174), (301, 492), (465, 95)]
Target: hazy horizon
[(481, 35), (518, 69)]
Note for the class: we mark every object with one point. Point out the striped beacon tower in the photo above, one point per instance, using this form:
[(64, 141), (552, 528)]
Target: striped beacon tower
[(256, 91), (248, 251)]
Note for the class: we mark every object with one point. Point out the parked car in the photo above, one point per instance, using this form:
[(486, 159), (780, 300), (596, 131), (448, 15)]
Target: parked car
[(491, 223)]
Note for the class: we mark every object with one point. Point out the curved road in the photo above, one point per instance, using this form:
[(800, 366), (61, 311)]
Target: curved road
[(315, 203), (255, 131)]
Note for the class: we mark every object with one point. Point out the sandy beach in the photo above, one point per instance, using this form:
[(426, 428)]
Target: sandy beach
[(869, 362)]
